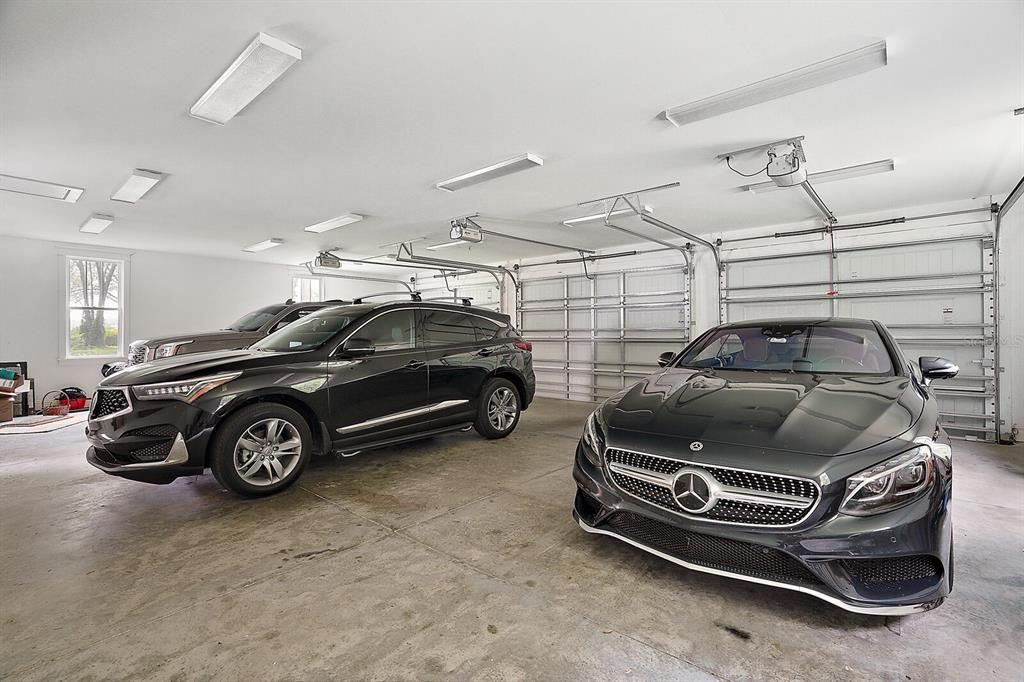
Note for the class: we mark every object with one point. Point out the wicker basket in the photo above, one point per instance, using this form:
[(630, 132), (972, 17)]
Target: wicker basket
[(57, 406)]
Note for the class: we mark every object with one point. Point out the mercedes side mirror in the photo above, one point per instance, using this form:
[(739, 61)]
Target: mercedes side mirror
[(665, 358), (357, 348), (937, 368)]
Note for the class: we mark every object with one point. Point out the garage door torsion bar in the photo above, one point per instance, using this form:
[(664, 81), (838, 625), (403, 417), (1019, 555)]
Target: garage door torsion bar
[(854, 226), (849, 249)]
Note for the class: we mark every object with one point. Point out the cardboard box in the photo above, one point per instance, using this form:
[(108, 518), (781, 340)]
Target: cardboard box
[(6, 409)]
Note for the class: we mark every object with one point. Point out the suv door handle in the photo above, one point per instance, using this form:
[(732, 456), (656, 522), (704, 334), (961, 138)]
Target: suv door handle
[(485, 352), (415, 364)]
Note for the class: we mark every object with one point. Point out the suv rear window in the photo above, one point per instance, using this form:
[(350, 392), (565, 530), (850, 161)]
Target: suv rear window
[(448, 328), (251, 322)]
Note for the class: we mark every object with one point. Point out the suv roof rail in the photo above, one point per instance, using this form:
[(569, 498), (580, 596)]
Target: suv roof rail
[(415, 295), (336, 300), (465, 300)]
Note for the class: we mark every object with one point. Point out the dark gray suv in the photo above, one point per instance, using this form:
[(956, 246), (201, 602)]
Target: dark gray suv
[(241, 333)]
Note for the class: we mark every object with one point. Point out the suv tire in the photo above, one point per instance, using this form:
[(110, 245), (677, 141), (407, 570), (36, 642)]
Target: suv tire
[(261, 449), (498, 410)]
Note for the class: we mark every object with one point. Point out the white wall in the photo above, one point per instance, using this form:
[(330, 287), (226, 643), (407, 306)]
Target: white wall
[(167, 294)]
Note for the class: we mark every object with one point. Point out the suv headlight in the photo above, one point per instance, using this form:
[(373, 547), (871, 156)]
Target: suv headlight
[(593, 438), (169, 349), (187, 391), (891, 484)]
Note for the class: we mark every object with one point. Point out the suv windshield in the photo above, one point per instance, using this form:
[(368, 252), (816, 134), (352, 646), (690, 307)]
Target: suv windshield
[(793, 348), (250, 322), (309, 332)]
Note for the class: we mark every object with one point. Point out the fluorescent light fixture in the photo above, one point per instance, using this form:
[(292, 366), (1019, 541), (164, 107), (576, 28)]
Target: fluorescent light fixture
[(601, 216), (96, 223), (445, 245), (259, 65), (136, 186), (521, 162), (831, 175), (40, 188), (340, 221), (264, 245), (805, 78)]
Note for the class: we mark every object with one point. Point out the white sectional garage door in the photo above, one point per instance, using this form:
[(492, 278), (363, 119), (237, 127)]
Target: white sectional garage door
[(594, 334), (936, 296), (480, 287)]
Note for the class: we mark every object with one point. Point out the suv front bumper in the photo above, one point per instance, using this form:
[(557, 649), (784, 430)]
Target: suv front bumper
[(889, 564), (153, 443)]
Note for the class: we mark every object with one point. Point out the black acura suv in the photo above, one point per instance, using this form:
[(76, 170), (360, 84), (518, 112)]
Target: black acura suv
[(805, 454), (345, 378)]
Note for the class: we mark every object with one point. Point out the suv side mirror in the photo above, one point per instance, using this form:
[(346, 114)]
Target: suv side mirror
[(937, 368), (357, 348), (665, 358)]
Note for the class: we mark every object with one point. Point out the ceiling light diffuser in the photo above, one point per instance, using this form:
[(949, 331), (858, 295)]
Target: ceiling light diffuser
[(96, 223), (39, 188), (601, 216), (136, 186), (340, 221), (519, 163), (264, 245), (828, 71), (846, 173), (260, 64)]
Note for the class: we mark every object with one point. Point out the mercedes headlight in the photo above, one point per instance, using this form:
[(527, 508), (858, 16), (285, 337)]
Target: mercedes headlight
[(593, 438), (169, 349), (187, 391), (890, 484)]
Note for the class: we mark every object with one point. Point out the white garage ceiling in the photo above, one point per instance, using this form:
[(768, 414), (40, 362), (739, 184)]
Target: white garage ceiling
[(391, 98)]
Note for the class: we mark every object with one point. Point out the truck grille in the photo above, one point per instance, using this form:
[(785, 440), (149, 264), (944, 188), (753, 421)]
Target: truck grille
[(731, 556), (108, 401), (137, 353), (742, 497)]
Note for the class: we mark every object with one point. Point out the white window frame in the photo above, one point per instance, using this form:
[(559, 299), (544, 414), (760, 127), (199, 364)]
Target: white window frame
[(319, 280), (123, 261)]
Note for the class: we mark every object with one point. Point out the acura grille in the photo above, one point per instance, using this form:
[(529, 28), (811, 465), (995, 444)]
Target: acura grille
[(109, 401)]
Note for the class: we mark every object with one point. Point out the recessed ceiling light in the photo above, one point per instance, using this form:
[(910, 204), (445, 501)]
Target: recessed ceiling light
[(264, 245), (39, 188), (136, 186), (340, 221), (519, 163), (789, 83), (445, 245), (601, 216), (96, 223), (831, 175), (260, 64)]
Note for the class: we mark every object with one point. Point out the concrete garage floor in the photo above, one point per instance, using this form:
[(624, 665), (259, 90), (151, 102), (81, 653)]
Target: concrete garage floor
[(451, 558)]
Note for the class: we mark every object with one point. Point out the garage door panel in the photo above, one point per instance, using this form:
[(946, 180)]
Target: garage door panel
[(618, 324), (753, 311), (936, 297)]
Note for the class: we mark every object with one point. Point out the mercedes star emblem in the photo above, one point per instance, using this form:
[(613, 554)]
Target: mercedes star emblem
[(696, 446), (693, 490)]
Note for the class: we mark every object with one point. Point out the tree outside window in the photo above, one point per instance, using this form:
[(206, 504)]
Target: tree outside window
[(94, 307)]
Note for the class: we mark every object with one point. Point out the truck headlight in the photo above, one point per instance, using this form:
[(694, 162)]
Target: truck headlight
[(169, 349), (187, 391), (593, 438), (890, 484)]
